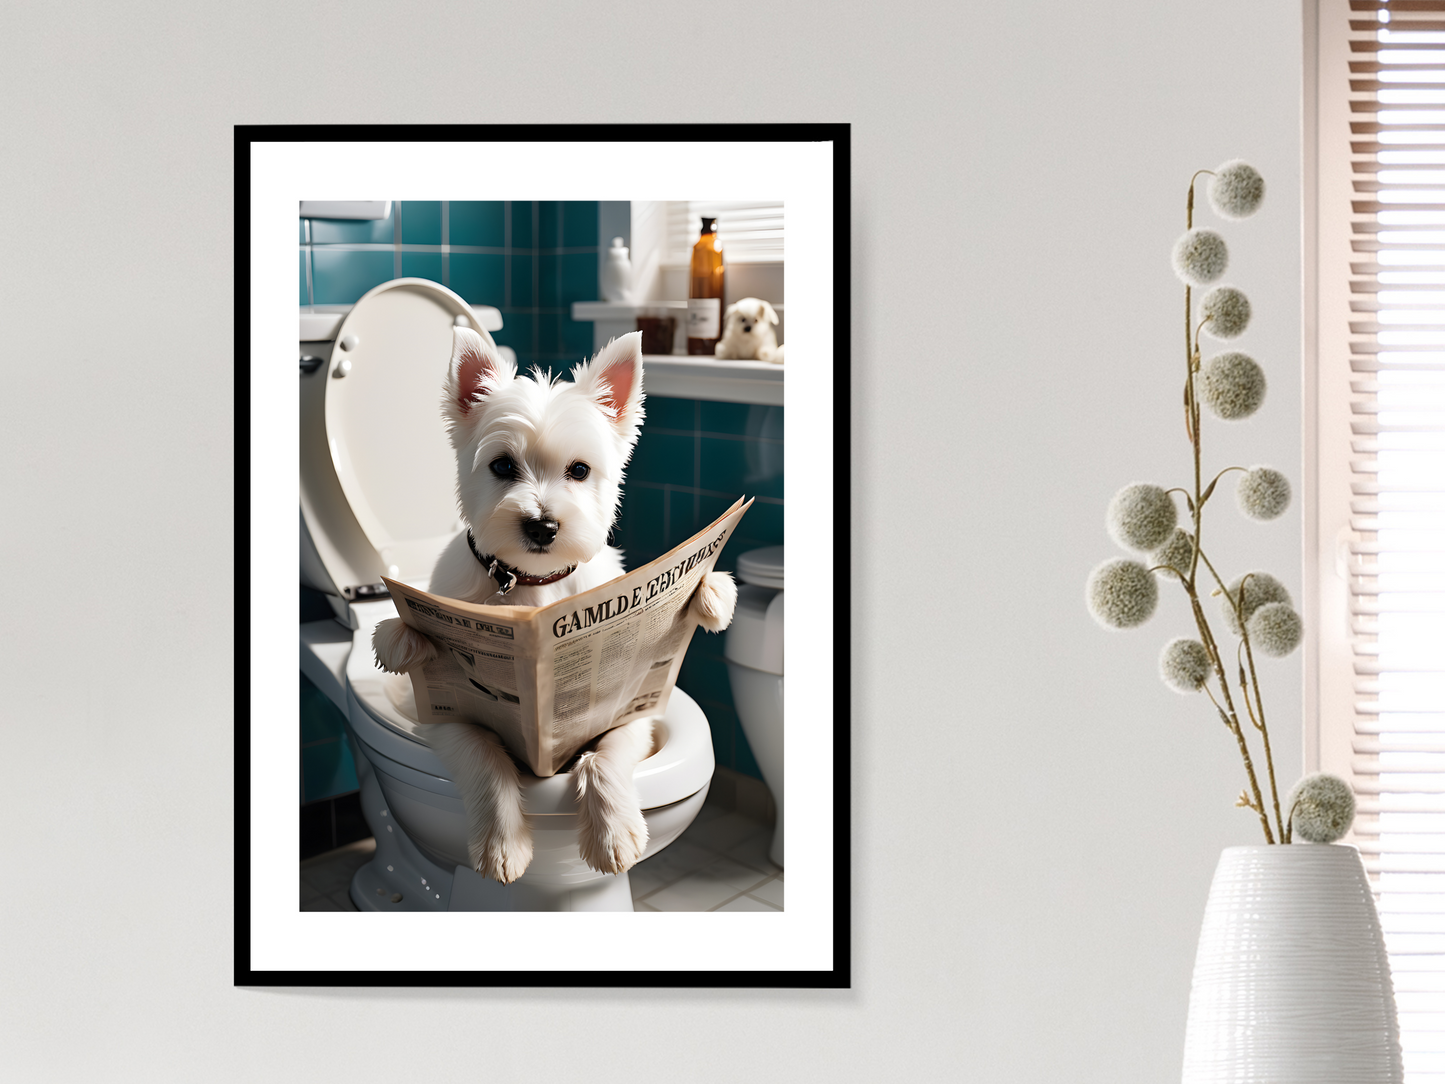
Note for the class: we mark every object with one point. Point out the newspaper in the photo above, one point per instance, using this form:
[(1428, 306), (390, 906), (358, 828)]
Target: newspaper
[(548, 679)]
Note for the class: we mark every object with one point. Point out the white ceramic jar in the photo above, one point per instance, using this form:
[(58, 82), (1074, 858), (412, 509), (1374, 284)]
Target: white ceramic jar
[(616, 280)]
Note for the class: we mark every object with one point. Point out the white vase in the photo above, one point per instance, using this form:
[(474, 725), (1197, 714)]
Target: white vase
[(1291, 984)]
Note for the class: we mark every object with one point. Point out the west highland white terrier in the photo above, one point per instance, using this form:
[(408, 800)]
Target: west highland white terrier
[(539, 475)]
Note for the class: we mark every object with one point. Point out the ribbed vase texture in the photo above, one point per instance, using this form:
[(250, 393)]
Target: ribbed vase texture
[(1291, 984)]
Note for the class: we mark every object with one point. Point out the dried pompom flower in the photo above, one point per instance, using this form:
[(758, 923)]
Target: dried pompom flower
[(1121, 594), (1232, 385), (1141, 516), (1226, 312), (1275, 628), (1263, 493), (1321, 808), (1200, 257), (1184, 665), (1260, 589), (1175, 554), (1236, 190)]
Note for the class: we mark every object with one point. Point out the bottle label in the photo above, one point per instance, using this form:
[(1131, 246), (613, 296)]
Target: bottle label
[(704, 318)]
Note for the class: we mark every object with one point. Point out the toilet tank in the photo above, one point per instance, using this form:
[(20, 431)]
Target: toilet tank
[(755, 638)]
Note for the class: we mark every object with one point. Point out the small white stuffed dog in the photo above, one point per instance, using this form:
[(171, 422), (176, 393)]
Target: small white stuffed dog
[(539, 473), (748, 332)]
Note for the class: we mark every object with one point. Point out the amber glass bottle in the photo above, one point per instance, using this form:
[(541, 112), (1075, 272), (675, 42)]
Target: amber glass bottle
[(705, 292)]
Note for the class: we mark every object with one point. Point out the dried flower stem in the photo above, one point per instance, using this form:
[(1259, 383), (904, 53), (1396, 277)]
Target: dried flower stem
[(1257, 718), (1263, 729), (1227, 712), (1209, 492), (1197, 331)]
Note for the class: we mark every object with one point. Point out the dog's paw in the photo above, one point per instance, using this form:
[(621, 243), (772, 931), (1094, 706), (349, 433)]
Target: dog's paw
[(611, 831), (715, 600), (500, 855), (399, 647)]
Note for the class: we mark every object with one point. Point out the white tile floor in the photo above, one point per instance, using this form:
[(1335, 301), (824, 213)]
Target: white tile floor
[(719, 864)]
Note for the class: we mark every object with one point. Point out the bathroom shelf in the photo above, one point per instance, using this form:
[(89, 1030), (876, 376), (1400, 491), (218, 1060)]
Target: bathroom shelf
[(681, 377), (675, 376), (620, 310), (625, 310)]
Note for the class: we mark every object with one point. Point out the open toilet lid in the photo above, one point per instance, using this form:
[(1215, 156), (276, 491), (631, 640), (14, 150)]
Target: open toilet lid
[(384, 428)]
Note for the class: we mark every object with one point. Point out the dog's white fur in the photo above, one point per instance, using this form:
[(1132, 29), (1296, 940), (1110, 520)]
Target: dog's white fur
[(543, 428), (748, 332)]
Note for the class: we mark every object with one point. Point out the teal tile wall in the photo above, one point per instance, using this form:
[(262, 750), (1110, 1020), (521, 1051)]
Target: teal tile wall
[(529, 258), (692, 461), (483, 224)]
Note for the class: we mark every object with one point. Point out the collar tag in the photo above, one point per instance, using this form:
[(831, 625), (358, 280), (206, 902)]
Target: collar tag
[(504, 576)]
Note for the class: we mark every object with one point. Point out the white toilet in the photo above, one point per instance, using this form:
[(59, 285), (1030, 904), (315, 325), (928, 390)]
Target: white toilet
[(377, 477), (754, 653)]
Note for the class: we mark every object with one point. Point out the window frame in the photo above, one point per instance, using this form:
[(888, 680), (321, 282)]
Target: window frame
[(1329, 694)]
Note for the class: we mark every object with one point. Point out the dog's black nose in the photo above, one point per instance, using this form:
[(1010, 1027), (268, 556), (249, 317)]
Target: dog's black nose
[(541, 531)]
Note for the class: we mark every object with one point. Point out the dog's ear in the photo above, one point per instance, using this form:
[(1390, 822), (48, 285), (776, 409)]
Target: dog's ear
[(476, 370), (614, 379), (768, 313), (730, 310)]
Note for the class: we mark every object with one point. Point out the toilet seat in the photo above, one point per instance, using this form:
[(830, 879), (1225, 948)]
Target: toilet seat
[(681, 763)]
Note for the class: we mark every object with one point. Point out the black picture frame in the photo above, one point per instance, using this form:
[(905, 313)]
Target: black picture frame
[(838, 976)]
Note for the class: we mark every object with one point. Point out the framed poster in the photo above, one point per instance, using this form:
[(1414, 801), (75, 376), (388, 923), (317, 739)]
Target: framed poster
[(507, 232)]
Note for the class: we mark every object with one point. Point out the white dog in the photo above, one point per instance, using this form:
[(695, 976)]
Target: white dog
[(539, 474), (748, 332)]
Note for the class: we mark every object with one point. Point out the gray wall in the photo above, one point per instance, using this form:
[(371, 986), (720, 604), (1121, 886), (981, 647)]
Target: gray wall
[(1034, 832)]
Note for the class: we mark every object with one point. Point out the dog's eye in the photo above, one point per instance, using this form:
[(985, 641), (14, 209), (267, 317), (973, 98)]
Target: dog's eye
[(503, 467), (578, 471)]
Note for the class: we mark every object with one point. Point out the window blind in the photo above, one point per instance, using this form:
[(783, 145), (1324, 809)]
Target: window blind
[(750, 231), (1394, 548)]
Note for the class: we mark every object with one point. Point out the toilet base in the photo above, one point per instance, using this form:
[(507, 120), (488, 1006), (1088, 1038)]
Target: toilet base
[(473, 892), (377, 888), (420, 862), (401, 878)]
